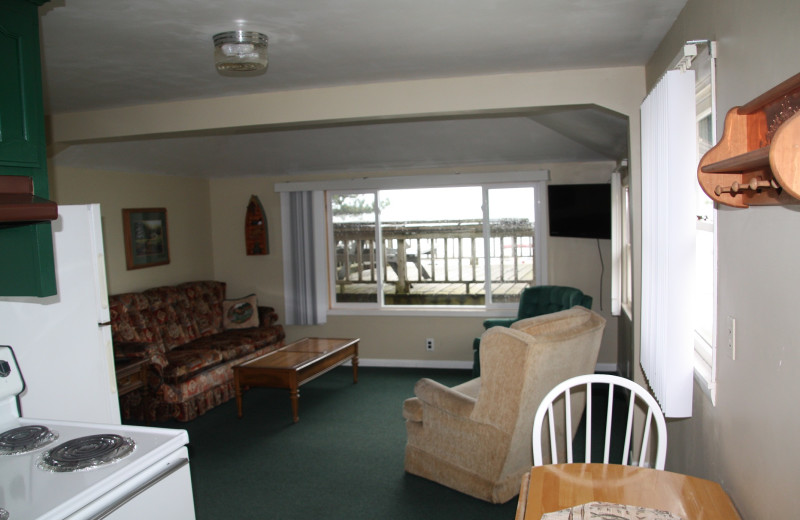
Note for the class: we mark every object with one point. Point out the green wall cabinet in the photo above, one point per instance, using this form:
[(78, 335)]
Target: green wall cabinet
[(27, 266)]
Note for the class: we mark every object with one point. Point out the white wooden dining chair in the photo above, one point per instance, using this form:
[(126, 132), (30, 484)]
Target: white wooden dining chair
[(564, 395)]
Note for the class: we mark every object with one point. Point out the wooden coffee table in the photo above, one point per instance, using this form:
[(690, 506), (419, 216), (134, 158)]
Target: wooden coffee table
[(294, 365)]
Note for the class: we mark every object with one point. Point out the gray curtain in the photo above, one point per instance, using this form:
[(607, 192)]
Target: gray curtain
[(305, 287)]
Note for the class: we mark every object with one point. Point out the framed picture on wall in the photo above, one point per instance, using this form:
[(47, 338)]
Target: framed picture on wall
[(146, 237)]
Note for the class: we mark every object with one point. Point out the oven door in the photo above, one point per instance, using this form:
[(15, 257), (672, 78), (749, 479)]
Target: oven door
[(163, 490)]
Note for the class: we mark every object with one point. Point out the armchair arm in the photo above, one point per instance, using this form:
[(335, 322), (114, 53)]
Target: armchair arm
[(498, 322), (444, 398)]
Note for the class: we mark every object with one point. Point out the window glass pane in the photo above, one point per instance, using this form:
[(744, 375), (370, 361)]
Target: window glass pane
[(704, 241), (704, 273), (433, 244), (705, 137), (704, 237), (511, 245), (353, 217)]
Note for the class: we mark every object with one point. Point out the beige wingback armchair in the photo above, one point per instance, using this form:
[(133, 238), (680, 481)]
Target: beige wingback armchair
[(476, 437)]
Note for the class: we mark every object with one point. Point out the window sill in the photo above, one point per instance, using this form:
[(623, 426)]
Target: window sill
[(473, 312), (626, 308), (705, 367), (708, 388)]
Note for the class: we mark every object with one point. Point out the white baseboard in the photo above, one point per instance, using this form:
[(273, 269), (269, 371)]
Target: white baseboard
[(459, 365), (606, 367), (414, 363)]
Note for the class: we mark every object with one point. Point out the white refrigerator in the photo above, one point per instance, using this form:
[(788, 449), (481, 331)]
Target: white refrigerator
[(63, 342)]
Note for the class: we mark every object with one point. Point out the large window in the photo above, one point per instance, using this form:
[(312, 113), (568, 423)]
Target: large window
[(678, 242), (443, 246)]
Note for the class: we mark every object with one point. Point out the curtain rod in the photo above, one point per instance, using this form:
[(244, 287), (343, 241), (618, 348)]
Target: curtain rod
[(422, 181)]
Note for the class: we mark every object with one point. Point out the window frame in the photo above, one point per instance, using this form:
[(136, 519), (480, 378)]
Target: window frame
[(705, 348), (536, 180), (626, 281)]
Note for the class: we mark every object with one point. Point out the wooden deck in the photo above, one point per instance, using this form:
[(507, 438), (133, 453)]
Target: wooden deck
[(434, 263), (467, 291)]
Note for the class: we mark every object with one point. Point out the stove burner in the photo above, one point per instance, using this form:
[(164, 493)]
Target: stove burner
[(87, 453), (25, 439)]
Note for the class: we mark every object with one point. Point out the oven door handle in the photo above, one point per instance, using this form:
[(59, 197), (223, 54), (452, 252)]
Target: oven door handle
[(180, 463)]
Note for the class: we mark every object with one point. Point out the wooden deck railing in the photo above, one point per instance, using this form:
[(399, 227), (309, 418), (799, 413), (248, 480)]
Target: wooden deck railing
[(443, 252)]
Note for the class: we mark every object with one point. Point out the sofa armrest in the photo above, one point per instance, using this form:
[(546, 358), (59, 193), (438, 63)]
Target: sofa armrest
[(444, 398), (136, 350), (267, 316), (498, 322), (130, 350)]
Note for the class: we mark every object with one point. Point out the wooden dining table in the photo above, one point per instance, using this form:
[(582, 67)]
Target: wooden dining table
[(555, 487)]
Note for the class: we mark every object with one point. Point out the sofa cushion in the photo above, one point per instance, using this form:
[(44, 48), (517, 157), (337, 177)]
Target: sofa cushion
[(260, 337), (184, 363), (172, 315), (131, 319), (185, 313), (123, 324), (169, 326), (205, 298), (228, 345), (241, 313)]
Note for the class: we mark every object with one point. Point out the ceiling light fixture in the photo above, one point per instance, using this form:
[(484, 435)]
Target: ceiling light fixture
[(239, 53)]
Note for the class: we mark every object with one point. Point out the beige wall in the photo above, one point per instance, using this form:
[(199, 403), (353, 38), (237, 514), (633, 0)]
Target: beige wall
[(188, 221), (748, 441), (204, 212), (574, 262)]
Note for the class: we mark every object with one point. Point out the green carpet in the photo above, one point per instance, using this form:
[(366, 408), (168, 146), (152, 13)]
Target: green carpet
[(343, 459)]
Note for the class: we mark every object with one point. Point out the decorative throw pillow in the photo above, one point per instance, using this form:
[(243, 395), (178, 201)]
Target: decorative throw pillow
[(241, 313)]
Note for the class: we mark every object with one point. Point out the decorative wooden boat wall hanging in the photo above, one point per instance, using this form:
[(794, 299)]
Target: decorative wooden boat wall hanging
[(256, 234)]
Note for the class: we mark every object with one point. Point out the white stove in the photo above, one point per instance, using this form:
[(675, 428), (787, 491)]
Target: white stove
[(84, 470)]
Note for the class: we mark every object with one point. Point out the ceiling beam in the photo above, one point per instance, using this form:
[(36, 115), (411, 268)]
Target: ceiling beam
[(618, 89)]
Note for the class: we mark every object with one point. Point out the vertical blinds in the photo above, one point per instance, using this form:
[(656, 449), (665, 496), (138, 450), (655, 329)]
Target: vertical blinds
[(668, 240)]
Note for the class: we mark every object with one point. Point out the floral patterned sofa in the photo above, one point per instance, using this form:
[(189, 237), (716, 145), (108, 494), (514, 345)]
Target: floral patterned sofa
[(193, 336)]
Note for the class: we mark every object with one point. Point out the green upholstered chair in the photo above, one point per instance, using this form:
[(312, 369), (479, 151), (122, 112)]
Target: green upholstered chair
[(535, 301)]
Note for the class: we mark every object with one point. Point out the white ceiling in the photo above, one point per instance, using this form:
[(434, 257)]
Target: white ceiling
[(101, 54)]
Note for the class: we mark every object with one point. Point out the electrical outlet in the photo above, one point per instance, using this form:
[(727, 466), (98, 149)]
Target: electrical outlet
[(429, 344), (732, 337)]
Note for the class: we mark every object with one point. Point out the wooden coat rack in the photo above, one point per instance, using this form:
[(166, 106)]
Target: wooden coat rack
[(757, 160)]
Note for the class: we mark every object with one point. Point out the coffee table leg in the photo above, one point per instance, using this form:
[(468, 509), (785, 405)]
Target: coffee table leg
[(294, 395), (355, 368), (238, 393)]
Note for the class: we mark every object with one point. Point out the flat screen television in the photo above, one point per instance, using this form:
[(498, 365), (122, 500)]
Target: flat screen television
[(579, 210)]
